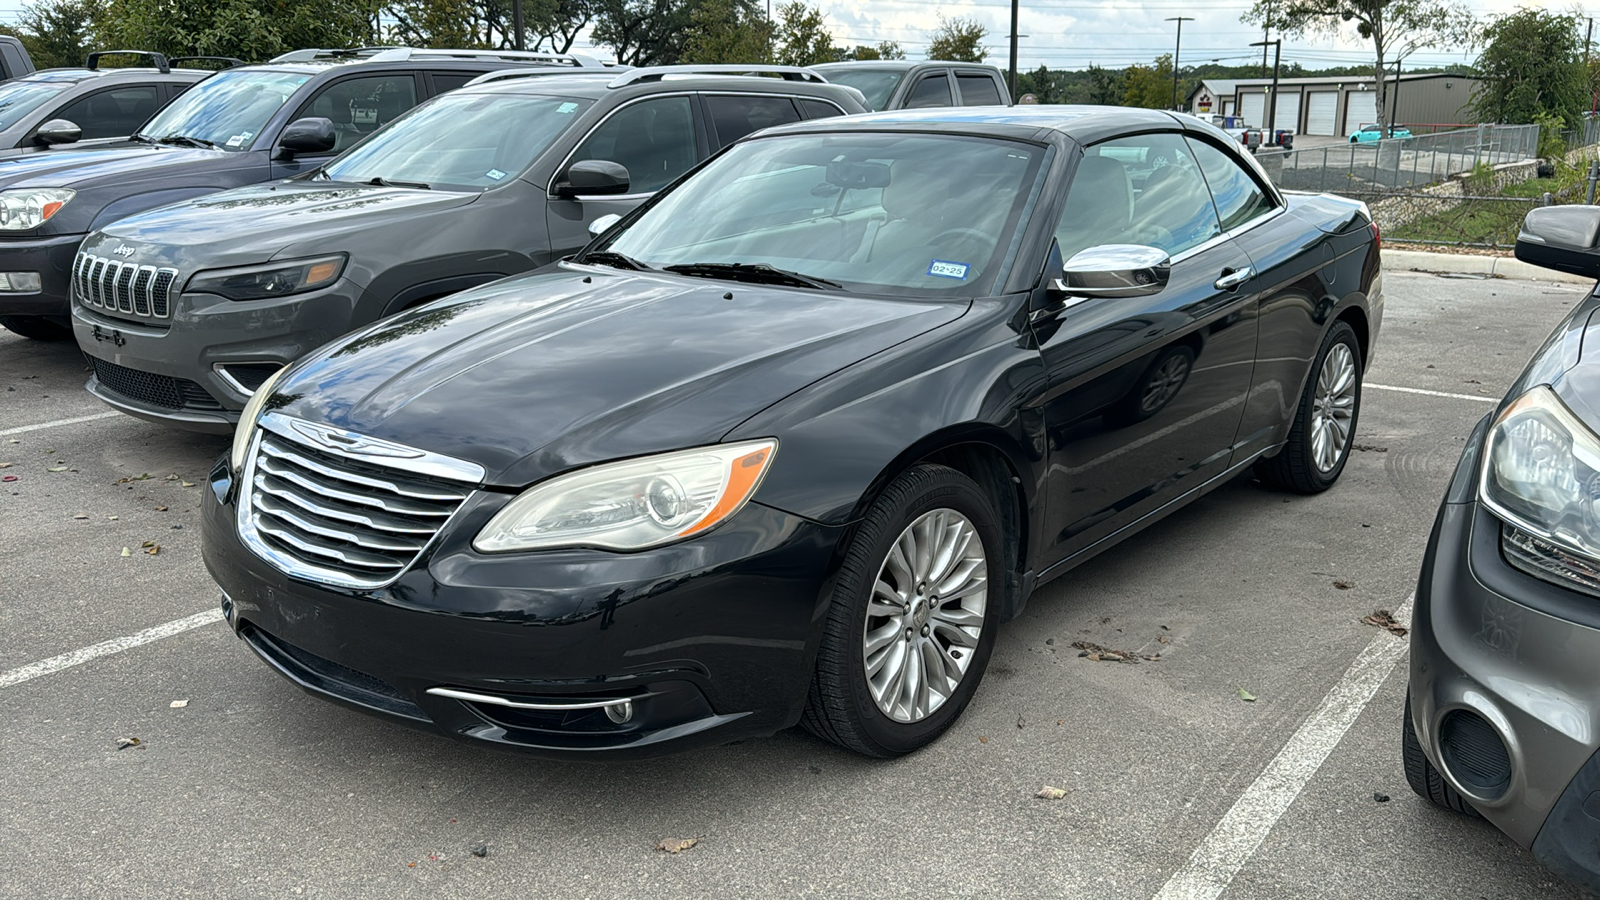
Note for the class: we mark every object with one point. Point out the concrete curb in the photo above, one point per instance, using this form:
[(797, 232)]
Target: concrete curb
[(1471, 264)]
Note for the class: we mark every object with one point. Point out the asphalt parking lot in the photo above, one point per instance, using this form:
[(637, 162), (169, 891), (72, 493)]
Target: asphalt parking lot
[(1176, 785)]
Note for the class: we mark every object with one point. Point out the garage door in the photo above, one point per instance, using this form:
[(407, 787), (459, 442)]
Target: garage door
[(1321, 112), (1253, 107), (1360, 108), (1288, 118)]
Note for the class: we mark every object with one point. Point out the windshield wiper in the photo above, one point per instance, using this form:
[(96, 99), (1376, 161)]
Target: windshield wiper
[(188, 141), (380, 181), (142, 138), (615, 260), (756, 273)]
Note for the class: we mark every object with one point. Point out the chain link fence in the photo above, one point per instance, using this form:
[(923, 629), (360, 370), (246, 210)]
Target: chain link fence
[(1401, 163)]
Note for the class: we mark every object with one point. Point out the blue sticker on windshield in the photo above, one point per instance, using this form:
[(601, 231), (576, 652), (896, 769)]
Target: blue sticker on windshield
[(945, 269), (566, 108), (496, 174)]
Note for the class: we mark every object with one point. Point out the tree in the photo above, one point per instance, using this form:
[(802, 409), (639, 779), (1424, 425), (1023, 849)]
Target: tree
[(648, 32), (725, 32), (247, 29), (1105, 87), (1149, 86), (1396, 28), (1532, 66), (958, 40), (802, 35), (59, 32), (884, 50)]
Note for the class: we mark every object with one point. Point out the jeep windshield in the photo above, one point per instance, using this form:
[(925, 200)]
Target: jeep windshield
[(225, 111), (18, 98), (470, 141), (916, 215)]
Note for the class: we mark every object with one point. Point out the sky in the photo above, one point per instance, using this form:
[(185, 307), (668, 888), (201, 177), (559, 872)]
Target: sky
[(1071, 34)]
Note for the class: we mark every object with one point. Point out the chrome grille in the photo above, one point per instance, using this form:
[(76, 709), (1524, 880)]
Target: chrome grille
[(123, 287), (336, 517)]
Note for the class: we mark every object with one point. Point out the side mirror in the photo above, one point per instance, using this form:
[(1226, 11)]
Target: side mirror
[(593, 176), (58, 131), (603, 224), (1563, 238), (312, 134), (1116, 270)]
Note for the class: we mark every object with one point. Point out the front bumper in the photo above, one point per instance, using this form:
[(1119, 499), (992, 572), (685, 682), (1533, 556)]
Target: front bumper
[(202, 349), (52, 258), (711, 639), (1493, 645)]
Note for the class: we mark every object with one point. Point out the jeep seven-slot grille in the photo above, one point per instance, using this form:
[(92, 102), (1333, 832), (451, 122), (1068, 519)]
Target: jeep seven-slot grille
[(152, 389), (123, 287), (328, 517)]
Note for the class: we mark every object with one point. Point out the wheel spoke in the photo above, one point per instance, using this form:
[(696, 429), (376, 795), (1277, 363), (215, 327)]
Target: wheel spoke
[(960, 579), (958, 637), (916, 685), (957, 617), (883, 637)]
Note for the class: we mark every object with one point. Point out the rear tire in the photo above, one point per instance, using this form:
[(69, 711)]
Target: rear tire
[(1325, 420), (1423, 777), (38, 328), (899, 658)]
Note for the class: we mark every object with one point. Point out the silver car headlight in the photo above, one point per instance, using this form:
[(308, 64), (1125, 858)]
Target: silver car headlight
[(26, 208), (633, 504), (1541, 476), (248, 418)]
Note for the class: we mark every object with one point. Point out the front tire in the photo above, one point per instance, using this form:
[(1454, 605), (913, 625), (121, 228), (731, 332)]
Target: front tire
[(1325, 420), (38, 328), (1422, 776), (912, 619)]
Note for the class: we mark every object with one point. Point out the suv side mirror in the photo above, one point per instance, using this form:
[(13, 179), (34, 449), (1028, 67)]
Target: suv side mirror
[(593, 176), (58, 131), (1116, 270), (312, 134), (1563, 238)]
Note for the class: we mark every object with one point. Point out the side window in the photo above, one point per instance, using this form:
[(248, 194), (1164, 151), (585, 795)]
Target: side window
[(818, 109), (1138, 190), (733, 116), (932, 90), (114, 113), (444, 82), (978, 90), (654, 139), (1238, 196), (360, 106)]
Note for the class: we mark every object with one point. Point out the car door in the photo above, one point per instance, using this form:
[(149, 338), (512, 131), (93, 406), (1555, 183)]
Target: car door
[(357, 105), (655, 138), (1144, 393), (978, 88), (930, 90), (112, 112)]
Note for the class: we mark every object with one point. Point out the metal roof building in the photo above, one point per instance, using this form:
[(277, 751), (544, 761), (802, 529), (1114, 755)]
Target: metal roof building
[(1339, 104)]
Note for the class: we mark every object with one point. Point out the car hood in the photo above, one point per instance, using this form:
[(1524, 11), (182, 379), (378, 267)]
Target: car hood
[(254, 223), (72, 168), (538, 374)]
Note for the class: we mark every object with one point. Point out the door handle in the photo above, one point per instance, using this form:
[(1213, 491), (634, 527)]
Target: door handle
[(1232, 278)]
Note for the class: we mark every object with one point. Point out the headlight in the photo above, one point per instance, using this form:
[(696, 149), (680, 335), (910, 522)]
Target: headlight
[(270, 280), (21, 210), (247, 420), (634, 504), (1541, 475)]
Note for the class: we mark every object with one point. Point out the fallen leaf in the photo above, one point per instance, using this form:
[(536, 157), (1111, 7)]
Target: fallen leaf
[(172, 477), (5, 465), (126, 552), (1097, 653), (178, 704), (124, 743), (80, 517), (677, 846), (14, 441), (1051, 793), (112, 518), (148, 544), (56, 469), (8, 478), (1369, 448), (1382, 618), (1162, 639), (1342, 585), (1246, 696), (154, 550), (982, 739), (1019, 720), (161, 509), (187, 483)]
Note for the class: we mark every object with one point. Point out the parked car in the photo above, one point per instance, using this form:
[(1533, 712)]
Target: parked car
[(777, 447), (1502, 715), (60, 108), (906, 84), (241, 126), (14, 59), (1369, 133), (491, 180)]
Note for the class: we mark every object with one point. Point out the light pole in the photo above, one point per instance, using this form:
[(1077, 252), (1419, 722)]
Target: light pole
[(1175, 49), (1272, 96), (1013, 71), (516, 23)]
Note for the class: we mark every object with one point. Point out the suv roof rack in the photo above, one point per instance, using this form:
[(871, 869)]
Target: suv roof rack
[(566, 60), (658, 73), (513, 74), (312, 54), (157, 60), (229, 60)]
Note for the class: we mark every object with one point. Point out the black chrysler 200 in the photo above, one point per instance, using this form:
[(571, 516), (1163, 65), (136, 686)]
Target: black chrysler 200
[(791, 441)]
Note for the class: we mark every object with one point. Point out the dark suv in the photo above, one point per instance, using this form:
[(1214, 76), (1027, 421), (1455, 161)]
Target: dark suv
[(241, 126), (187, 309), (906, 84)]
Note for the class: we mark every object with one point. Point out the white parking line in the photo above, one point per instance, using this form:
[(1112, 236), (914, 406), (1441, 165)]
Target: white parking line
[(1406, 390), (105, 648), (22, 428), (1237, 837)]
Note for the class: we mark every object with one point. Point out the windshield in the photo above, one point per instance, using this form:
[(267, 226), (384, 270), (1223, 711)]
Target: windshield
[(913, 214), (874, 84), (226, 110), (18, 98), (460, 140)]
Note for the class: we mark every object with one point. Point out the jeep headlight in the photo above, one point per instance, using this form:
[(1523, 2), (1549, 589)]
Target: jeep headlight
[(26, 208), (1541, 476), (247, 420), (264, 282), (633, 504)]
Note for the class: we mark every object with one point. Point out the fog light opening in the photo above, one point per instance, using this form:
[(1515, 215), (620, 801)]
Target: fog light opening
[(1474, 754), (20, 282), (620, 713)]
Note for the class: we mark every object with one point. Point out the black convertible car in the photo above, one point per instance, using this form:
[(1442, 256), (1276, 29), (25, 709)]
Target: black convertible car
[(790, 441)]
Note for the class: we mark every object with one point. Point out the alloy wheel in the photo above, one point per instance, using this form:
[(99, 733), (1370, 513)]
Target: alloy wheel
[(1333, 407)]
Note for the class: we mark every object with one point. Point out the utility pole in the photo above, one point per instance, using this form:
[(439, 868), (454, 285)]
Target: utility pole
[(1394, 107), (1013, 70), (1272, 96), (516, 23), (1176, 48), (1266, 32), (1587, 74)]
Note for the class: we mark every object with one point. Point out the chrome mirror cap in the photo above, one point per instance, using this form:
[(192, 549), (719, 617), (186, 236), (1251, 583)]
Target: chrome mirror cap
[(1116, 270), (600, 225)]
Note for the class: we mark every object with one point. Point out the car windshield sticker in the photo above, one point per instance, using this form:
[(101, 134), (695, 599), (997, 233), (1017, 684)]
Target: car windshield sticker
[(945, 269), (236, 140), (496, 174), (566, 108)]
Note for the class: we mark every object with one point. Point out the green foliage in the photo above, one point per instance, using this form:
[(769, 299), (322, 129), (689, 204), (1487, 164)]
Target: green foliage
[(1149, 86), (59, 33), (1533, 71), (725, 32), (958, 40), (247, 29), (1551, 144), (1481, 179), (803, 38)]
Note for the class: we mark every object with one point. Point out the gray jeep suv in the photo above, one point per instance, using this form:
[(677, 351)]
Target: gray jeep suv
[(186, 309)]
